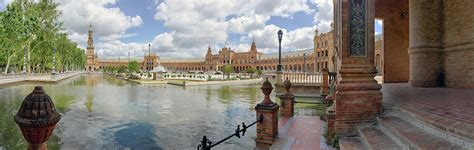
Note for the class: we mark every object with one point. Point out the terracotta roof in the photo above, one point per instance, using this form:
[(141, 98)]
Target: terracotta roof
[(170, 60), (297, 53)]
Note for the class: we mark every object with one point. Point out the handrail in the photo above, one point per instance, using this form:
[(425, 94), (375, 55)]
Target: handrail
[(304, 78), (207, 144)]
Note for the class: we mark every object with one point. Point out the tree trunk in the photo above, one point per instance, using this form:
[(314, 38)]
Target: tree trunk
[(8, 63), (28, 63)]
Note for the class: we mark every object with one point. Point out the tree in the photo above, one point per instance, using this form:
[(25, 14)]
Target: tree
[(259, 72), (34, 26), (228, 69), (133, 66), (251, 71)]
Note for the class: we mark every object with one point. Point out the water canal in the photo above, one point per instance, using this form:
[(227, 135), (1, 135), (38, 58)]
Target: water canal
[(102, 112)]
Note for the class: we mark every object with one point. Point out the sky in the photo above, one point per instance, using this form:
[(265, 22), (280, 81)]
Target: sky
[(185, 28)]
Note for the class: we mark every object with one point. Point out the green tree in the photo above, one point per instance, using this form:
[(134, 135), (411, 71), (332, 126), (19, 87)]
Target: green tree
[(34, 26), (133, 66), (228, 69), (251, 71), (259, 72), (121, 69)]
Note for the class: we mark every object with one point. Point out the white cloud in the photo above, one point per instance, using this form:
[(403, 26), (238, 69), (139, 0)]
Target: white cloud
[(267, 39), (324, 15), (378, 22), (197, 23), (4, 3), (193, 24), (245, 24), (109, 24), (77, 14)]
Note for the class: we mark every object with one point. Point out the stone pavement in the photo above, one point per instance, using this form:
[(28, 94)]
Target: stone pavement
[(456, 104), (300, 133), (419, 118)]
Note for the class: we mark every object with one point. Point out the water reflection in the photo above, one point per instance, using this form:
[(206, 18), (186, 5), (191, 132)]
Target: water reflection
[(102, 112)]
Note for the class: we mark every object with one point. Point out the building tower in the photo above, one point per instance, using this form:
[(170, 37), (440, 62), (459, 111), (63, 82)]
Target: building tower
[(209, 54), (253, 52), (91, 64)]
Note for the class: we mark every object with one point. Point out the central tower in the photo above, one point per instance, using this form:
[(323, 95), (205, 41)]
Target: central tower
[(91, 64)]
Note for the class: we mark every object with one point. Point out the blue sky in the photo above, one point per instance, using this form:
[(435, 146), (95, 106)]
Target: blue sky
[(185, 28)]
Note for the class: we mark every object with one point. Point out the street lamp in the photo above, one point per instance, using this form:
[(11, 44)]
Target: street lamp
[(23, 8), (304, 62), (24, 61), (280, 36), (53, 72)]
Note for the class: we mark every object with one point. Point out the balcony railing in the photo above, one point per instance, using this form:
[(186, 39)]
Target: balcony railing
[(303, 78)]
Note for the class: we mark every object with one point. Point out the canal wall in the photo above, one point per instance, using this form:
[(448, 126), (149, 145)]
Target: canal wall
[(37, 79), (193, 83)]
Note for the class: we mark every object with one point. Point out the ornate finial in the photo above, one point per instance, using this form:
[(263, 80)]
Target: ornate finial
[(287, 85), (267, 89), (37, 117)]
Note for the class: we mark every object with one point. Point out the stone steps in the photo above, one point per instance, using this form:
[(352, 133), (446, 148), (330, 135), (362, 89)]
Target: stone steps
[(375, 139), (404, 128), (455, 131), (350, 143), (413, 137)]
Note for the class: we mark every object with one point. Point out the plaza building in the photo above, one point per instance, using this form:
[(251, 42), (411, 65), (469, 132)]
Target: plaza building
[(324, 50), (309, 60), (149, 61)]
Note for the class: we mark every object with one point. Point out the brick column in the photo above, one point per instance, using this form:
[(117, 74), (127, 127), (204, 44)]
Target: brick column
[(425, 42), (267, 130), (358, 98), (330, 124), (287, 100), (325, 83)]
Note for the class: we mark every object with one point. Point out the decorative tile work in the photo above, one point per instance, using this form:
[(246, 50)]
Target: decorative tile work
[(357, 28)]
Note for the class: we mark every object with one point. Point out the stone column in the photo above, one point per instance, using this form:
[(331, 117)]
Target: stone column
[(358, 98), (425, 42), (279, 77), (287, 100), (267, 130), (325, 83), (37, 119)]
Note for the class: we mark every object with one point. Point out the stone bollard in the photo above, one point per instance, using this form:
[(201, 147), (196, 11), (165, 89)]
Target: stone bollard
[(267, 130), (37, 119), (279, 77), (330, 117), (287, 100), (325, 83)]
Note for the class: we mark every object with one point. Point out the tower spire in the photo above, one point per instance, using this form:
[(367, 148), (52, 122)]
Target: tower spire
[(149, 49)]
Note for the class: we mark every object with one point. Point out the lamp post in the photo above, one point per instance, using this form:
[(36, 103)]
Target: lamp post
[(304, 62), (23, 8), (24, 62), (53, 72), (149, 54), (280, 36)]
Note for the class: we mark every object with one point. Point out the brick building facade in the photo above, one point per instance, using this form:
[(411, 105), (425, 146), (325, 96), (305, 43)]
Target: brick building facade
[(304, 60)]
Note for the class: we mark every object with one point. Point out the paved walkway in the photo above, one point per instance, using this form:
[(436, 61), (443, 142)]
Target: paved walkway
[(300, 133), (452, 103), (449, 109), (37, 78)]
